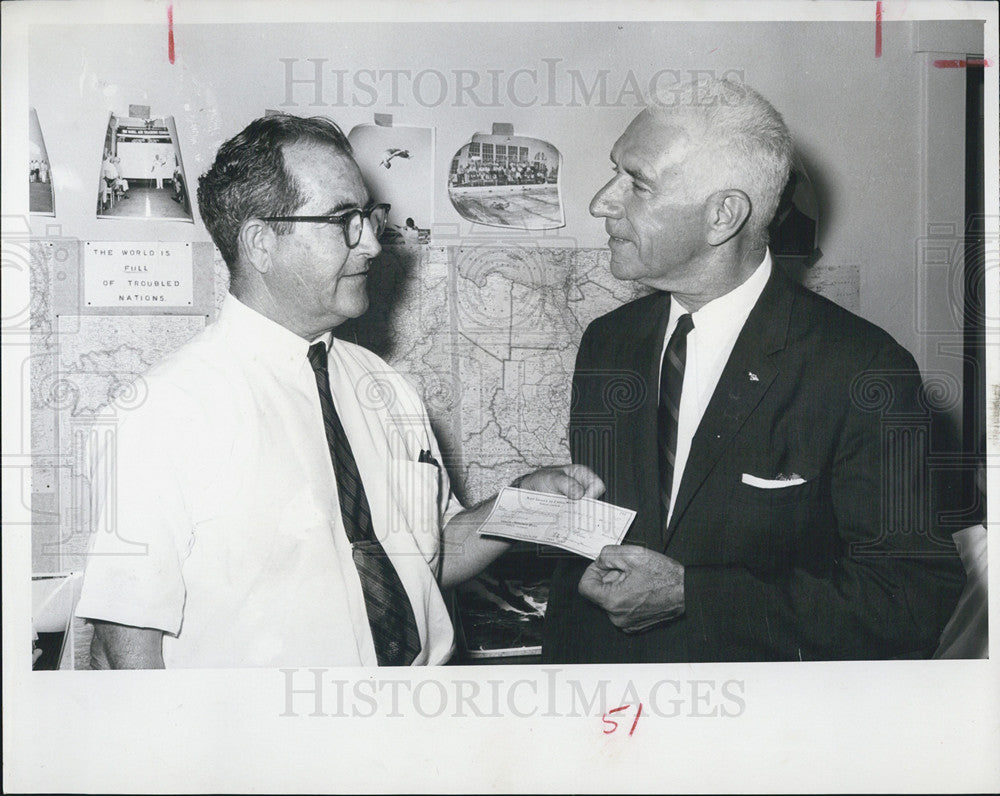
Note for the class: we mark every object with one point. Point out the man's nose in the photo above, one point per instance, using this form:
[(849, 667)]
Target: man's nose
[(605, 203), (369, 245)]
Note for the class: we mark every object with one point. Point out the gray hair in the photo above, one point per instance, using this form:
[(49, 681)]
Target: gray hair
[(741, 142)]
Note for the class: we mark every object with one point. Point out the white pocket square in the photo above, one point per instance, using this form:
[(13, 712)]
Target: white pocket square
[(777, 483)]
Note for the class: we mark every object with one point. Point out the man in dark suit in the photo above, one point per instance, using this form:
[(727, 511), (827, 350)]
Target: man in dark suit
[(772, 444)]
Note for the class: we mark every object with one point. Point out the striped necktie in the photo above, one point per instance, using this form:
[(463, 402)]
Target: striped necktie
[(390, 614), (671, 382)]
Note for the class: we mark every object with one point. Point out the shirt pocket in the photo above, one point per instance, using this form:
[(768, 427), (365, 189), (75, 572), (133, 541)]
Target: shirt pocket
[(413, 489)]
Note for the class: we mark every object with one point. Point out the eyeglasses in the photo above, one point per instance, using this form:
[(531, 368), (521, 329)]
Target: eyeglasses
[(351, 221)]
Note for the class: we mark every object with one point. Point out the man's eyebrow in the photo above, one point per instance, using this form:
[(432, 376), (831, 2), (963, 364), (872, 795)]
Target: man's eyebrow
[(346, 205), (634, 172), (638, 174), (342, 207)]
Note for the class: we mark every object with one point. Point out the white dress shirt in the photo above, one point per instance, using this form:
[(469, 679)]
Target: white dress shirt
[(709, 344), (222, 525)]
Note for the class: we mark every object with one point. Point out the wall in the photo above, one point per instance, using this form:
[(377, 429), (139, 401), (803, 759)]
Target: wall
[(857, 119)]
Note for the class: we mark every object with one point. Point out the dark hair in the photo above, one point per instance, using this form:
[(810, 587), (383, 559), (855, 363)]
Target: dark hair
[(248, 178)]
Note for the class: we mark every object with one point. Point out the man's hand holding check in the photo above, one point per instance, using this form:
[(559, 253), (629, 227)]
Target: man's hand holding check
[(575, 481), (638, 587)]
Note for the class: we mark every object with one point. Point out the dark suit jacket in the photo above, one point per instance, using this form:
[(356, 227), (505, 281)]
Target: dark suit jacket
[(847, 565)]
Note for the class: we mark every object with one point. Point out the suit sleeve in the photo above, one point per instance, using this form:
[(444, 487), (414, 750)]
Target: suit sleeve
[(585, 400), (890, 583)]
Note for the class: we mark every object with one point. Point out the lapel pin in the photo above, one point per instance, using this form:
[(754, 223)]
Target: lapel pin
[(752, 375)]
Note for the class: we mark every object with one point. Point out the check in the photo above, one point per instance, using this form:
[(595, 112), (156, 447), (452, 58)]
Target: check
[(581, 526)]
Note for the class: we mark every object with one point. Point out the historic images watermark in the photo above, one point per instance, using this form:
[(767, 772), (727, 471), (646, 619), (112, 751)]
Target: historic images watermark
[(319, 693), (318, 82)]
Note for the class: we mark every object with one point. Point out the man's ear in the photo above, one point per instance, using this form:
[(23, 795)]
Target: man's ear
[(256, 241), (729, 210)]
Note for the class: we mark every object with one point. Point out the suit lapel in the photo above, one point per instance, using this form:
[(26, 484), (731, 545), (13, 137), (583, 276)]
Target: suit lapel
[(640, 433), (745, 380)]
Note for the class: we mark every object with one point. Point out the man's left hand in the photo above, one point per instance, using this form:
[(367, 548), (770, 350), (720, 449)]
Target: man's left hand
[(637, 587)]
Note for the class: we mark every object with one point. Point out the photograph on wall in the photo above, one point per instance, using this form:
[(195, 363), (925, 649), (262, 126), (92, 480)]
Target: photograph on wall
[(397, 164), (41, 194), (142, 173), (507, 180)]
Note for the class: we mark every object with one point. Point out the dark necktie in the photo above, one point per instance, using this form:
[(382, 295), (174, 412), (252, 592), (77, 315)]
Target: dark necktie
[(390, 615), (671, 382)]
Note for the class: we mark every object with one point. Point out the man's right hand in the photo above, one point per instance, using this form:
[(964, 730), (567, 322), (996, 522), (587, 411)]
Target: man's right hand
[(467, 554), (575, 481)]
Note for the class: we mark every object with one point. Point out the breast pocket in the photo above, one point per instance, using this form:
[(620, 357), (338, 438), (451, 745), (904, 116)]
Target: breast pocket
[(752, 495), (766, 528)]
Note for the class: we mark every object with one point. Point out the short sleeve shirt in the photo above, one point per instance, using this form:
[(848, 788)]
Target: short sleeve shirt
[(218, 516)]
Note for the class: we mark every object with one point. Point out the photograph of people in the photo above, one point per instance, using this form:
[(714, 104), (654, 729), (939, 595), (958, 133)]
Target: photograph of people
[(135, 167)]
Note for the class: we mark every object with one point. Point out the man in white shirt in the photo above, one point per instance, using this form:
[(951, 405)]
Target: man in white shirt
[(754, 442), (277, 498)]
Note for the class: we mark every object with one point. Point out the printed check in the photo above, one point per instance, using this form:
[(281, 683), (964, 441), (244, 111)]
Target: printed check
[(581, 526)]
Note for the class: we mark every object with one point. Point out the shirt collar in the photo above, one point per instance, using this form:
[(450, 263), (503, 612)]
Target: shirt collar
[(264, 339)]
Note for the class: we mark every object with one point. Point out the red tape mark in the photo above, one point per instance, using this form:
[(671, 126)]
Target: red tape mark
[(170, 33), (961, 63), (878, 29)]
